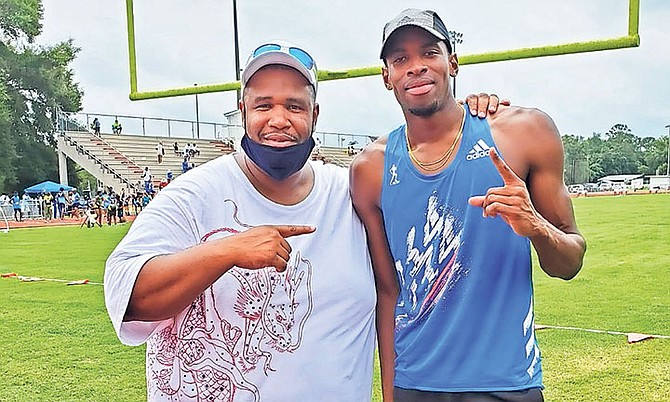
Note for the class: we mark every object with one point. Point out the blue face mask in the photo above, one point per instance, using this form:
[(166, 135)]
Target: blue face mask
[(278, 163)]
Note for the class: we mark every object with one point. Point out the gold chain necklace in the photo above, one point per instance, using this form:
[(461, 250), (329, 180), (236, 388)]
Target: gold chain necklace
[(441, 161)]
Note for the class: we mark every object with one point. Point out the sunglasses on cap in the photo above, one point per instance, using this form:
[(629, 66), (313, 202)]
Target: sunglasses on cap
[(303, 57)]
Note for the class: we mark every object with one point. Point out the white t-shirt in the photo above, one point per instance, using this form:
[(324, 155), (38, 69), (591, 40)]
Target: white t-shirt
[(306, 334)]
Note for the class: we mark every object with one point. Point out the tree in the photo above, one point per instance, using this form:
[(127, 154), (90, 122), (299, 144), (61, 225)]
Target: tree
[(655, 154), (35, 81), (619, 152), (622, 154), (576, 161)]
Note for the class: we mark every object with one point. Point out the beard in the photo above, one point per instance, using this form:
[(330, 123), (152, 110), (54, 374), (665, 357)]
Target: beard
[(426, 111)]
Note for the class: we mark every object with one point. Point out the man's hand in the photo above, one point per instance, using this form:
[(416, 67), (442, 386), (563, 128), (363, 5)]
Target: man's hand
[(482, 104), (266, 246), (511, 202)]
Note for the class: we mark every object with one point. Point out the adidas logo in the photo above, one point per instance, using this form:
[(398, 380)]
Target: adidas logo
[(479, 150)]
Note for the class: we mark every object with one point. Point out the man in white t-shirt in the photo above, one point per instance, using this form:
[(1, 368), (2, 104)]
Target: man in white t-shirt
[(249, 278), (160, 151), (146, 178)]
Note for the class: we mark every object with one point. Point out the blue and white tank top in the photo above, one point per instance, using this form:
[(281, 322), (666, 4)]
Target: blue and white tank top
[(464, 318)]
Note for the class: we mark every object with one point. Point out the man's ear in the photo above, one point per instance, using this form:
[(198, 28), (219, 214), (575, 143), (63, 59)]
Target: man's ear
[(315, 116), (240, 106), (453, 64), (385, 78)]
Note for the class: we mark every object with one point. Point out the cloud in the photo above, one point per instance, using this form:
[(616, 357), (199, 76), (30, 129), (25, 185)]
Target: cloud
[(181, 44)]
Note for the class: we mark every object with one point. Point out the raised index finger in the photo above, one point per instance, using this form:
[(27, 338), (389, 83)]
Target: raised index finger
[(505, 171), (294, 230)]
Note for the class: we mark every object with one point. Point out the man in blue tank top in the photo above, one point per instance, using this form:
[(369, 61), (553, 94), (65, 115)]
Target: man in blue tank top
[(450, 224)]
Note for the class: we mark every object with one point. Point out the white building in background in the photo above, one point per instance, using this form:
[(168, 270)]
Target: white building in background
[(637, 182), (661, 182), (620, 179), (235, 129), (652, 182)]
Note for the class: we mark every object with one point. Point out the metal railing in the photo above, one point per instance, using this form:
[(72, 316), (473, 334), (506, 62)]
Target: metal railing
[(30, 209), (177, 128), (105, 167), (142, 125)]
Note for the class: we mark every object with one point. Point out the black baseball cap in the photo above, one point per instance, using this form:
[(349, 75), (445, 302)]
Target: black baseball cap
[(426, 19)]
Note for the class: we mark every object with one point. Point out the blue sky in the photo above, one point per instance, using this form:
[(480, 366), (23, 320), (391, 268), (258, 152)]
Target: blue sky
[(182, 43)]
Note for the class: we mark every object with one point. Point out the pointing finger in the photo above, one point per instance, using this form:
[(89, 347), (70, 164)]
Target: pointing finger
[(294, 230), (505, 171)]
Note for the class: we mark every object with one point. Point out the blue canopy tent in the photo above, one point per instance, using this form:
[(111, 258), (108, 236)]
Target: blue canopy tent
[(49, 186)]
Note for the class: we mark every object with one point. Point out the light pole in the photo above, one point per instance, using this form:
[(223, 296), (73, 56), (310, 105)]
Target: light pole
[(237, 51), (197, 116), (667, 172), (454, 38)]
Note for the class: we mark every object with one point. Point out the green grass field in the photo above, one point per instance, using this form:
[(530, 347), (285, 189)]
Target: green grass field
[(57, 344)]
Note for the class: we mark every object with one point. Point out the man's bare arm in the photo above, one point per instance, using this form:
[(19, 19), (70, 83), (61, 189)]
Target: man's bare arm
[(365, 183), (538, 208), (559, 245), (169, 283)]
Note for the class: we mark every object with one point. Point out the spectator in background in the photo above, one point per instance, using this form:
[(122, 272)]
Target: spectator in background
[(90, 217), (116, 127), (96, 126), (16, 205), (146, 198), (98, 202), (112, 207), (351, 151), (26, 204), (119, 208), (105, 204), (162, 184), (61, 201), (146, 177), (185, 166), (137, 203), (123, 204), (4, 199), (229, 142), (169, 176), (160, 151), (194, 150), (175, 146), (74, 199), (47, 205)]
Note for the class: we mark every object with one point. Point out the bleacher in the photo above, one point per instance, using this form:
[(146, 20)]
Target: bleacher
[(142, 151), (335, 155), (119, 160)]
